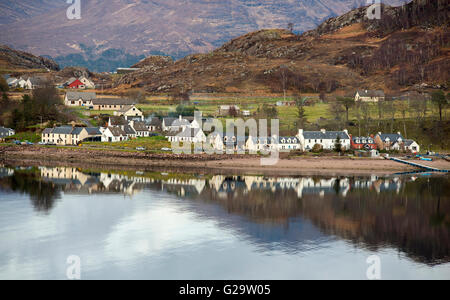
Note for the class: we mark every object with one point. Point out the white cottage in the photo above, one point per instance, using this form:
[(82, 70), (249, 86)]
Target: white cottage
[(114, 134), (326, 139)]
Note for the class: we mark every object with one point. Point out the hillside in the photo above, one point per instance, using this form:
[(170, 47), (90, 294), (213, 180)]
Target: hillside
[(117, 32), (407, 46), (11, 59)]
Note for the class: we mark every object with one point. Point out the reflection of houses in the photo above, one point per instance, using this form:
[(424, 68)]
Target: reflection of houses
[(388, 185), (301, 186), (75, 181), (185, 187), (6, 172), (128, 185)]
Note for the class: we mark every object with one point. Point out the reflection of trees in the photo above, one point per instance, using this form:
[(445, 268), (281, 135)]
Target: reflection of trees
[(42, 194), (415, 220)]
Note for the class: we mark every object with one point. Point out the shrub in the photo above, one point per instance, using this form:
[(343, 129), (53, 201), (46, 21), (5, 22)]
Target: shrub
[(317, 148)]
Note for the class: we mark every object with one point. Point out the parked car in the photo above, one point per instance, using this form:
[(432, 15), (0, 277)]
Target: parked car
[(166, 149), (17, 142), (140, 149)]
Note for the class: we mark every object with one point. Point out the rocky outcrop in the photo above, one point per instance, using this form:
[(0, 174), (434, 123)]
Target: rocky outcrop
[(19, 59), (76, 72), (154, 62)]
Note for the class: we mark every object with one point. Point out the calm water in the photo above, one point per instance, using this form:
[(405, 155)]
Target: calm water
[(128, 225)]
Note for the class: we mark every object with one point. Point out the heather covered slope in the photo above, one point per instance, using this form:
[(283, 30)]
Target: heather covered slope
[(137, 27), (408, 46)]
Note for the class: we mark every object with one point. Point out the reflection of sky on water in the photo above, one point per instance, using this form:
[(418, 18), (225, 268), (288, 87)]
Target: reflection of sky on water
[(158, 235)]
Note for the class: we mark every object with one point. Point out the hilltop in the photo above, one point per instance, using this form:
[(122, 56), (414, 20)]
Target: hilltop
[(408, 46), (116, 33), (11, 59)]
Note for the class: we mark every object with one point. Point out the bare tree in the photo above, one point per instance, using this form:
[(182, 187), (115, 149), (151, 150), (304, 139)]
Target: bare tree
[(290, 27), (347, 103), (440, 101), (337, 110), (283, 73), (402, 106), (365, 111), (301, 113), (137, 95)]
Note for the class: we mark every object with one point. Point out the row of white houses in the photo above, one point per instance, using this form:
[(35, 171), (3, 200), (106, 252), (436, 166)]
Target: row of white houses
[(304, 141)]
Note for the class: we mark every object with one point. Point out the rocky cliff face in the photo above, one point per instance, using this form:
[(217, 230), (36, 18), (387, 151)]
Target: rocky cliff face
[(11, 58)]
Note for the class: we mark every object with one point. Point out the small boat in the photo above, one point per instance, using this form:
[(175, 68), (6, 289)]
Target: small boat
[(426, 159)]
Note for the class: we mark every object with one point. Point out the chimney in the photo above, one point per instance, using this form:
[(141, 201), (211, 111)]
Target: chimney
[(399, 133), (346, 131), (323, 130), (300, 132), (181, 117)]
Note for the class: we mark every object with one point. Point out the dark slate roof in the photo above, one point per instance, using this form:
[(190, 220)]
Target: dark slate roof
[(360, 138), (93, 131), (371, 93), (173, 133), (77, 130), (47, 130), (294, 140), (62, 130), (4, 131), (11, 79), (140, 126), (112, 101), (129, 130), (80, 95), (36, 80), (393, 137), (327, 135), (126, 108), (169, 121), (176, 122), (409, 142), (155, 121), (117, 131)]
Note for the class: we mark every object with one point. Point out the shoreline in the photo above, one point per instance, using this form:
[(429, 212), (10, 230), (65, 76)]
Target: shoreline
[(227, 164)]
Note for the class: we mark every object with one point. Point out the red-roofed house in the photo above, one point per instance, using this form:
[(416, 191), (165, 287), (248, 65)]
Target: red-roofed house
[(77, 84)]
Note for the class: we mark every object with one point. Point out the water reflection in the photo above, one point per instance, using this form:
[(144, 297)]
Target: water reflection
[(409, 213)]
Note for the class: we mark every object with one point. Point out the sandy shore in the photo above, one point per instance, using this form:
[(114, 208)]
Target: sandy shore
[(202, 163)]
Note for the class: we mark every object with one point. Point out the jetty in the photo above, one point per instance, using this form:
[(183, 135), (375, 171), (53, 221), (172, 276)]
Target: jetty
[(423, 167)]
